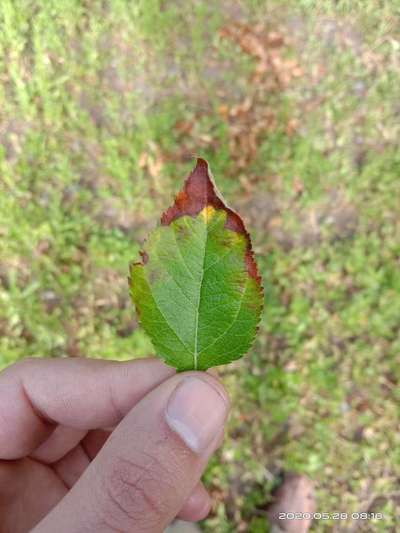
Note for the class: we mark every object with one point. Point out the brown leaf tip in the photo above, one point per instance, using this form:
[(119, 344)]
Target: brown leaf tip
[(199, 191)]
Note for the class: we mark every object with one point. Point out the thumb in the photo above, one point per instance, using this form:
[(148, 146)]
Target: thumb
[(151, 463)]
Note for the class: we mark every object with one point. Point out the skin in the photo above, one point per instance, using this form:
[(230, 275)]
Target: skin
[(84, 446)]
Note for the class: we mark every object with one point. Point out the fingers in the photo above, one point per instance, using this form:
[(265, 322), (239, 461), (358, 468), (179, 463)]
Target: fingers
[(83, 394), (94, 441), (58, 444), (71, 466), (150, 465), (197, 506), (27, 491)]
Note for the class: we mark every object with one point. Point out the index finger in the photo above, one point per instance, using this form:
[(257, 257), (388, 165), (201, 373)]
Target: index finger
[(38, 394)]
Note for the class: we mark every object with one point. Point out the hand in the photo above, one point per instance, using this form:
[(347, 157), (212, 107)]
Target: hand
[(103, 446)]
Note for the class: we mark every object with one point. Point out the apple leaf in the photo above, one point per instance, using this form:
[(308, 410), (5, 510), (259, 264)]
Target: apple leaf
[(197, 290)]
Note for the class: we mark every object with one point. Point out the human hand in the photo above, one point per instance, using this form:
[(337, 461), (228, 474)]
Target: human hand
[(103, 446)]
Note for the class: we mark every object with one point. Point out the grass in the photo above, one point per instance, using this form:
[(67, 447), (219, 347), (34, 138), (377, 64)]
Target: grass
[(102, 107)]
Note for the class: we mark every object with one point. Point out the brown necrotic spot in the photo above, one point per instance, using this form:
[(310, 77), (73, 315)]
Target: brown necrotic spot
[(199, 191), (251, 265)]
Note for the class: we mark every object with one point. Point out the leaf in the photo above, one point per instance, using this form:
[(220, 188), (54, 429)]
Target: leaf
[(197, 290)]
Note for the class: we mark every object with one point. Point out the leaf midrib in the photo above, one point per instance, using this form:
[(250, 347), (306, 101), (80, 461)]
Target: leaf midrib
[(196, 326), (196, 353)]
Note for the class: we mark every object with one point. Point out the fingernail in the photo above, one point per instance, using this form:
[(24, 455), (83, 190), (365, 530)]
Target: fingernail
[(196, 411)]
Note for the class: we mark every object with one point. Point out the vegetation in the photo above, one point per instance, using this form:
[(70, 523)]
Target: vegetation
[(295, 105)]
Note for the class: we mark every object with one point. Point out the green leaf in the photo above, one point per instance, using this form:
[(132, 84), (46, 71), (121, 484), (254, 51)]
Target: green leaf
[(197, 290)]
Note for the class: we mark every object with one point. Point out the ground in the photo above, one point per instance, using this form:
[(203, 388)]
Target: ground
[(103, 106)]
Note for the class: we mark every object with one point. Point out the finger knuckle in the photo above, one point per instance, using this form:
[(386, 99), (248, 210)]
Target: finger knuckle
[(135, 492)]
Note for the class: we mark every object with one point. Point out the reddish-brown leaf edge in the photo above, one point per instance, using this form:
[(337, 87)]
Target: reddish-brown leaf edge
[(199, 191)]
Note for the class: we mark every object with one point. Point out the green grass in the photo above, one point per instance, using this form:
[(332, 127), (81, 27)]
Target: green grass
[(93, 97)]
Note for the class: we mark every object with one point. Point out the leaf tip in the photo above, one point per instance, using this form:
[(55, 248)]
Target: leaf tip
[(197, 193), (201, 164), (200, 192)]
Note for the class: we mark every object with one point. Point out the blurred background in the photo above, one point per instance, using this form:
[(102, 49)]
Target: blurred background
[(295, 104)]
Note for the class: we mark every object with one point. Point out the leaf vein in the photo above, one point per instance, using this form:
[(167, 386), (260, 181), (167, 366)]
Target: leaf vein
[(181, 254), (221, 258), (166, 321), (196, 353), (231, 325)]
